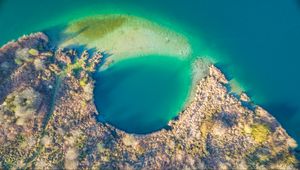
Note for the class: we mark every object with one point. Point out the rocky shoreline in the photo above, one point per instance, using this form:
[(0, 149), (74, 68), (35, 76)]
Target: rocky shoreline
[(47, 120)]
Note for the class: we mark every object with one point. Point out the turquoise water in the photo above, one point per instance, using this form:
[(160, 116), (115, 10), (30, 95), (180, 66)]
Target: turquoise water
[(255, 42), (140, 95)]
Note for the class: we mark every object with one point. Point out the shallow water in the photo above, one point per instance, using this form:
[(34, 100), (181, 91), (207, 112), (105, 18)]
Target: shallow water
[(255, 42), (140, 95)]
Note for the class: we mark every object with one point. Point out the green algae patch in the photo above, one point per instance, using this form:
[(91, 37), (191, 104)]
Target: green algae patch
[(141, 95), (95, 28), (260, 133)]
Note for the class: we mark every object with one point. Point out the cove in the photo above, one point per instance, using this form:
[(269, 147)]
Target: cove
[(142, 94), (254, 42)]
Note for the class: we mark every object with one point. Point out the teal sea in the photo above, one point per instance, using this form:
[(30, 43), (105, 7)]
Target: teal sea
[(256, 43)]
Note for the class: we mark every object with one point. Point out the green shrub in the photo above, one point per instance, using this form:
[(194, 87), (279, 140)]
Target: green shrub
[(22, 55), (33, 52), (21, 104), (260, 133), (39, 64), (26, 103)]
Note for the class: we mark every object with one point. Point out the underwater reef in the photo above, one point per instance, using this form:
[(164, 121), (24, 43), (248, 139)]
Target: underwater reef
[(48, 120)]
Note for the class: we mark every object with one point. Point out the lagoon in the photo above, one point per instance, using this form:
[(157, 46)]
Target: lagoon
[(142, 94)]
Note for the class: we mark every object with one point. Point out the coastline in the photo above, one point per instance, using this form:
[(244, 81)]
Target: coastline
[(215, 130)]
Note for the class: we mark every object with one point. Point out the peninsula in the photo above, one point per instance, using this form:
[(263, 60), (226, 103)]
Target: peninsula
[(48, 120)]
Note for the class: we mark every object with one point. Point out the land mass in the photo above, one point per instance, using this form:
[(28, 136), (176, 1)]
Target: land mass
[(48, 120)]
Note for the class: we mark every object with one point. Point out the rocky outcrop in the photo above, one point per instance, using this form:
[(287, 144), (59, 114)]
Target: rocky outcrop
[(217, 130)]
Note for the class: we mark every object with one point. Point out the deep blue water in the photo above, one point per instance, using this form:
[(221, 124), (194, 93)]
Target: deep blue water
[(141, 94), (254, 41)]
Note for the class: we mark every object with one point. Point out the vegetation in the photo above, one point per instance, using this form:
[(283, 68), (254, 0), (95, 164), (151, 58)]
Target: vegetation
[(23, 104), (33, 52), (260, 133), (22, 55), (71, 158), (39, 64), (83, 81), (129, 140), (211, 133)]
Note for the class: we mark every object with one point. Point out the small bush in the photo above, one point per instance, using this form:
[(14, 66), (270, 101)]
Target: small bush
[(83, 82), (18, 61), (71, 158), (23, 105), (260, 133), (33, 52), (22, 55), (39, 64), (88, 89), (26, 102), (129, 140)]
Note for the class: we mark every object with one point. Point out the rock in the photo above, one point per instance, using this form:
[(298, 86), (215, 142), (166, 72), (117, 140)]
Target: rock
[(244, 97)]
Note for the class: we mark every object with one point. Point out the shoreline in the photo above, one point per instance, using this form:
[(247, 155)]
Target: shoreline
[(160, 40), (214, 132)]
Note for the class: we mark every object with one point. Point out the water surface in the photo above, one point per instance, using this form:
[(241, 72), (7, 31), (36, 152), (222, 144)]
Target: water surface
[(255, 42), (140, 95)]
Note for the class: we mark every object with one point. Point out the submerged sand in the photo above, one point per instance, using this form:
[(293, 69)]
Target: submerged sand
[(126, 36)]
